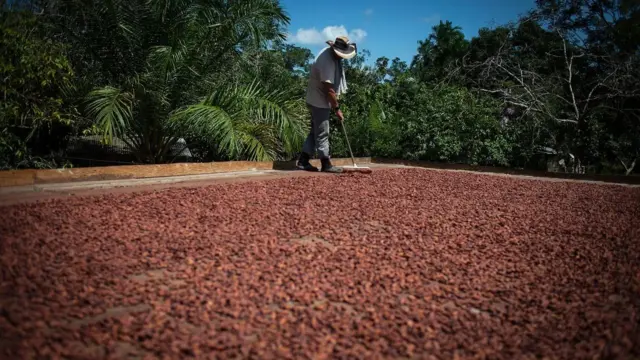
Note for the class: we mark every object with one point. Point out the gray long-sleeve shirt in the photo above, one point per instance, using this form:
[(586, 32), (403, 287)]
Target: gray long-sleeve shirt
[(326, 69)]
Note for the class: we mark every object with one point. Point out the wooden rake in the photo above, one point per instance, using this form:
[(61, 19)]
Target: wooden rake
[(354, 168)]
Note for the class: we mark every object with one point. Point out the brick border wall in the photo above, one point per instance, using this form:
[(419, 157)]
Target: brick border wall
[(49, 176), (617, 179), (33, 177)]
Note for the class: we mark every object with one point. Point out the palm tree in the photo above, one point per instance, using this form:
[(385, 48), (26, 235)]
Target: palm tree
[(445, 45), (164, 75), (247, 122)]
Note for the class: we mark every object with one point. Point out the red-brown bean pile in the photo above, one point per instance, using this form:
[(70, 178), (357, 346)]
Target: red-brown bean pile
[(403, 263)]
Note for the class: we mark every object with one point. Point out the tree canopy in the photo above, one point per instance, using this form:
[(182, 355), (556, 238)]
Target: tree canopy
[(220, 78)]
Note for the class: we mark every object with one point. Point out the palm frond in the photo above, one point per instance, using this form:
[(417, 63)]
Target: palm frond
[(258, 142), (256, 18), (112, 110), (160, 8), (275, 108), (124, 16), (245, 122), (213, 121), (168, 59)]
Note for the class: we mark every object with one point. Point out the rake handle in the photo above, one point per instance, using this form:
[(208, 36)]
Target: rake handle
[(353, 160)]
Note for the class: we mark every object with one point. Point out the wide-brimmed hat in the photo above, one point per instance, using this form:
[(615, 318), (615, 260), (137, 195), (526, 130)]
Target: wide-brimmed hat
[(343, 48)]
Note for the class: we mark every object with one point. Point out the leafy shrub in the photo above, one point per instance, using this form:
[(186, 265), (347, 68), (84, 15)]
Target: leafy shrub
[(35, 75), (451, 124)]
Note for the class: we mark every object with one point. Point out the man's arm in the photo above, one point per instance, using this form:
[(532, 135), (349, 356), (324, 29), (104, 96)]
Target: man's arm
[(333, 100), (331, 94), (327, 68)]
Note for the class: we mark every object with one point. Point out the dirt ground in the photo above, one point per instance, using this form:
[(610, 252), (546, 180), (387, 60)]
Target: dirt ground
[(399, 264)]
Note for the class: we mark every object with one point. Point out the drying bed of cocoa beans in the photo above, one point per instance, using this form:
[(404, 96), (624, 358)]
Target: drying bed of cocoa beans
[(399, 264)]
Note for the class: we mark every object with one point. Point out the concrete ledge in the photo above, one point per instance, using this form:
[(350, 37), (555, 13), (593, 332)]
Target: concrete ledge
[(616, 179), (52, 176), (30, 177), (17, 177)]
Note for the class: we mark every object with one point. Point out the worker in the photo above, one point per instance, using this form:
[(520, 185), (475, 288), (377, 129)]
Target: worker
[(326, 82)]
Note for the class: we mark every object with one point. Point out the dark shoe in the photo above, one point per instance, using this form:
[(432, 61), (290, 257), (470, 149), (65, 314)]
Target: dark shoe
[(327, 167), (304, 164)]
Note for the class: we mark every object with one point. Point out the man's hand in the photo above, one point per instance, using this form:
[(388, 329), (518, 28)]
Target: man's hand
[(331, 94), (333, 100)]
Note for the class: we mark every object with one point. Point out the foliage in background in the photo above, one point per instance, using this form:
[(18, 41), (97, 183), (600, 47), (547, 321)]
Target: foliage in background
[(156, 57), (451, 124), (246, 123), (36, 77)]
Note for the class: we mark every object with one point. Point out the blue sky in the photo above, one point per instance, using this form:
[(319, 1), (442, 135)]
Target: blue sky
[(392, 28)]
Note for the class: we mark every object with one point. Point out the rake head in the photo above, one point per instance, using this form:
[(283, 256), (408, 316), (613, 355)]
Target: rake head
[(356, 169)]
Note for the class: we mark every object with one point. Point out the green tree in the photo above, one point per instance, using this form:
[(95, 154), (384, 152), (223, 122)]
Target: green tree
[(450, 124), (34, 117), (444, 47), (165, 56)]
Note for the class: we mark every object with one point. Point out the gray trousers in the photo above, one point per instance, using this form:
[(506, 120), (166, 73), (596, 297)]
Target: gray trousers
[(318, 138)]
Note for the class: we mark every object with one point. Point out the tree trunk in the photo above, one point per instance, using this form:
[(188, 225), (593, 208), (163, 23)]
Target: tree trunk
[(629, 169)]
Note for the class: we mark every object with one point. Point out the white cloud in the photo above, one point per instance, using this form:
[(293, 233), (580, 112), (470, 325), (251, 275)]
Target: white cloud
[(368, 12), (314, 37), (357, 35), (307, 36)]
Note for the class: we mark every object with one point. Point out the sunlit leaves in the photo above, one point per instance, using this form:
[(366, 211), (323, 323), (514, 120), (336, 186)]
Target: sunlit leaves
[(245, 122), (112, 110)]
